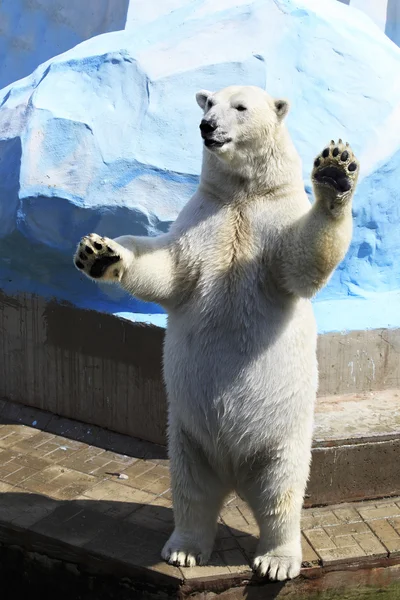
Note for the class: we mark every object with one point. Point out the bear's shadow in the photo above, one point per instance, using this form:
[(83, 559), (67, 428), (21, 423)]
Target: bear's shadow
[(86, 531)]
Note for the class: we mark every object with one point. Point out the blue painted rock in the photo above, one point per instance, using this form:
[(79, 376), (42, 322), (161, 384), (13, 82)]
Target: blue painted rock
[(105, 138)]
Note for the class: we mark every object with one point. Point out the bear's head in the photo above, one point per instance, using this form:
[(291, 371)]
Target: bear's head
[(246, 141), (239, 118)]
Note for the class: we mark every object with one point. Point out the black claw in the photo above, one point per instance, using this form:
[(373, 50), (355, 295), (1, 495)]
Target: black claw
[(88, 250), (82, 256), (317, 162), (345, 155), (97, 246), (352, 166), (79, 264), (335, 152), (325, 153)]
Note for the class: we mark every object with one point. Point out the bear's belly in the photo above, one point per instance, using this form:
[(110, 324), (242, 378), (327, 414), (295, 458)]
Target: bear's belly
[(233, 378)]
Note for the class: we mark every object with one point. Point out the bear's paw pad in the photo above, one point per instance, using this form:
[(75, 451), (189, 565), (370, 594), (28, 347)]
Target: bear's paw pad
[(94, 256), (336, 167)]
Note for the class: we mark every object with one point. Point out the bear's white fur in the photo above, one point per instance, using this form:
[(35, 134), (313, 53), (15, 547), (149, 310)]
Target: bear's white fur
[(235, 274)]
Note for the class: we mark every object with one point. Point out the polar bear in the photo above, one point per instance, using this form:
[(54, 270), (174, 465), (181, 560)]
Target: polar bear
[(235, 274)]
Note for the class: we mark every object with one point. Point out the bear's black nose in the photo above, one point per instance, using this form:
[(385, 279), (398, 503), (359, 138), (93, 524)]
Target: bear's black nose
[(207, 127)]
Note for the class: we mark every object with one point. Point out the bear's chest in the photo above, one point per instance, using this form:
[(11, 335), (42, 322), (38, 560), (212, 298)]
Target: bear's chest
[(231, 251)]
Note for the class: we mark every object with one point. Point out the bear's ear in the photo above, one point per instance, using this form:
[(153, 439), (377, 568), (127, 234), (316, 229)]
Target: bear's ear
[(202, 97), (282, 108)]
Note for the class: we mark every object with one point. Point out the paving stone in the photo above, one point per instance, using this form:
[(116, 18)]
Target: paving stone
[(395, 522), (146, 518), (232, 543), (129, 541), (140, 468), (322, 518), (51, 481), (310, 557), (248, 544), (389, 510), (32, 462), (5, 487), (384, 530), (72, 524), (236, 561), (168, 494), (33, 514), (30, 444), (385, 503), (347, 529), (17, 476), (110, 490), (223, 530), (347, 515), (234, 519), (86, 460), (344, 540), (48, 474), (15, 503), (125, 459), (331, 556), (370, 544), (7, 455), (158, 486), (10, 429), (393, 545), (58, 448), (307, 521), (8, 469), (215, 568), (158, 515), (98, 463), (247, 513), (165, 569), (319, 540), (116, 510), (111, 468)]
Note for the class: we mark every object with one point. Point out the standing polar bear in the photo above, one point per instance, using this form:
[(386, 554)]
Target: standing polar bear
[(235, 274)]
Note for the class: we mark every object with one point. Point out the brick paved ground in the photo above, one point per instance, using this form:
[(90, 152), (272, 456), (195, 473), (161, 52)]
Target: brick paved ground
[(81, 489)]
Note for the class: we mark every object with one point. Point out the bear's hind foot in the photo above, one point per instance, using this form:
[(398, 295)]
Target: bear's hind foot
[(279, 564), (336, 169), (181, 551)]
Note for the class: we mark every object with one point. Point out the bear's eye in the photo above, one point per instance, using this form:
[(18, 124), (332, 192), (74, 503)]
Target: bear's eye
[(240, 107), (210, 103)]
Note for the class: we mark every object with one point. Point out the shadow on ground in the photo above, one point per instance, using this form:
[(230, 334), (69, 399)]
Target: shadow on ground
[(97, 549)]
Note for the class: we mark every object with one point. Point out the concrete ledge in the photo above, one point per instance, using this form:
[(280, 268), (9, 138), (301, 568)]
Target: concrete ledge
[(107, 371), (356, 448)]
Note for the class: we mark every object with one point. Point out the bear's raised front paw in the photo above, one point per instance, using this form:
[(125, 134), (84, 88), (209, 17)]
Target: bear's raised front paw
[(98, 258), (336, 168), (182, 552)]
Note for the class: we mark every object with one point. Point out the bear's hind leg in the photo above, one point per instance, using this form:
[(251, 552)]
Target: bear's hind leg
[(198, 495), (276, 500)]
